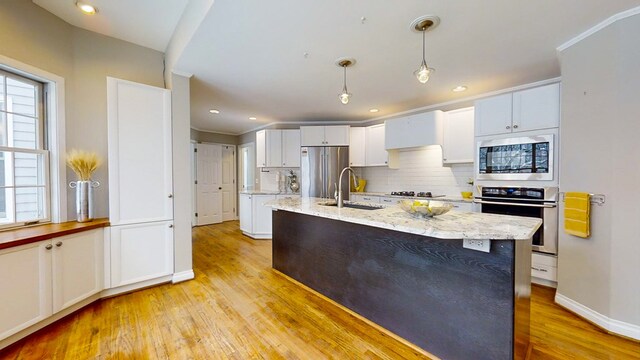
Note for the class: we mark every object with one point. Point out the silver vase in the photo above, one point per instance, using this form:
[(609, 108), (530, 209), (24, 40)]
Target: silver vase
[(84, 199)]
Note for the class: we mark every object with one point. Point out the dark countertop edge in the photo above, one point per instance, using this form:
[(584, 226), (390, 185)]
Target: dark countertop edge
[(22, 236)]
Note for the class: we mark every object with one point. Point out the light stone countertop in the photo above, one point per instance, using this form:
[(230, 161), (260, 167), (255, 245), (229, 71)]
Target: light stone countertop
[(452, 198), (267, 192), (452, 225)]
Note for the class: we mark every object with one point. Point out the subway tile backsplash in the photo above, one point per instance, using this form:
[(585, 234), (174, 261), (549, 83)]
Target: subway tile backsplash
[(419, 170)]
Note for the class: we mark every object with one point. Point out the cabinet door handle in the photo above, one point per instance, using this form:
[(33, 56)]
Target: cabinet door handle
[(170, 226), (170, 196), (48, 247), (59, 243), (220, 188), (515, 126), (508, 127)]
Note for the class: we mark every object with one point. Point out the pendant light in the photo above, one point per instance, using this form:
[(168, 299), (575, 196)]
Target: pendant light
[(344, 63), (423, 24)]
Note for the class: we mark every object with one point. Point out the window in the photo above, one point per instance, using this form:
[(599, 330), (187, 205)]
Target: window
[(24, 160)]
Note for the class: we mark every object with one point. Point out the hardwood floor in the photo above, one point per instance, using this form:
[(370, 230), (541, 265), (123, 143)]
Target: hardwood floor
[(238, 308)]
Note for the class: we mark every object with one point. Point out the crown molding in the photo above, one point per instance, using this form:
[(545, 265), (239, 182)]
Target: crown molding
[(611, 20)]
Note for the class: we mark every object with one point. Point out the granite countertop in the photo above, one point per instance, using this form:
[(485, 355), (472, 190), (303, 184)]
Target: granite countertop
[(452, 225), (267, 192), (445, 198)]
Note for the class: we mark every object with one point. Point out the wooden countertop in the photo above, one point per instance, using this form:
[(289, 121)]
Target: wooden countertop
[(22, 236)]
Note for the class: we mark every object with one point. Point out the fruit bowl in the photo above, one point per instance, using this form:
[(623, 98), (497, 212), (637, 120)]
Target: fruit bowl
[(425, 208)]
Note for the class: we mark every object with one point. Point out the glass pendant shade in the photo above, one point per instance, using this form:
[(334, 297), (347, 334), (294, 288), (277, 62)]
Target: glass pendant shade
[(423, 73), (344, 97)]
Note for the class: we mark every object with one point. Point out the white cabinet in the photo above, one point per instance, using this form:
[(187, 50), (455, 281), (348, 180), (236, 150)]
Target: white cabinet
[(532, 109), (261, 148), (273, 148), (141, 252), (324, 135), (278, 148), (357, 146), (375, 152), (261, 215), (463, 206), (291, 148), (412, 131), (25, 285), (364, 198), (140, 181), (537, 108), (78, 267), (458, 139), (246, 225), (43, 278), (388, 200)]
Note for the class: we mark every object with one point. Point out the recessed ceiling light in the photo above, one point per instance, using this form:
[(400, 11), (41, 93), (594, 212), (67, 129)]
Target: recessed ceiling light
[(214, 111), (253, 118), (459, 88), (374, 110), (86, 8)]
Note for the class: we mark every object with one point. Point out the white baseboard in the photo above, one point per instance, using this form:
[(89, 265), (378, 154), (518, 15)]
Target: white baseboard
[(136, 286), (544, 282), (183, 276), (612, 325)]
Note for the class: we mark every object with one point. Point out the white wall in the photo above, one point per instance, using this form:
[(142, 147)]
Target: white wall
[(84, 59), (600, 153), (419, 170)]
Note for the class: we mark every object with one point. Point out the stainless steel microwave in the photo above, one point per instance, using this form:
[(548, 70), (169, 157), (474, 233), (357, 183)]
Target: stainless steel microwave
[(521, 158)]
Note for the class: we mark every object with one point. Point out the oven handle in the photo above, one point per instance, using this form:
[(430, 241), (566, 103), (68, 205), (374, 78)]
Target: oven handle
[(514, 204)]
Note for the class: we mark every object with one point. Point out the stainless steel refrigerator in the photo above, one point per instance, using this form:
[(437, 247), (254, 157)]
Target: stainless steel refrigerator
[(320, 168)]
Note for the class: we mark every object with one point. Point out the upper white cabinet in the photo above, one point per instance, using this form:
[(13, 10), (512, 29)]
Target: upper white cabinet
[(414, 131), (324, 135), (273, 148), (537, 108), (357, 146), (278, 148), (375, 152), (458, 142), (532, 109), (291, 148), (139, 137), (261, 148)]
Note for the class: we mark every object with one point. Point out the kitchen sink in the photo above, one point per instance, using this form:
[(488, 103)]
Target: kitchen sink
[(353, 205)]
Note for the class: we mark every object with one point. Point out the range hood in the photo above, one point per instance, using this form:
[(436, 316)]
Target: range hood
[(413, 131)]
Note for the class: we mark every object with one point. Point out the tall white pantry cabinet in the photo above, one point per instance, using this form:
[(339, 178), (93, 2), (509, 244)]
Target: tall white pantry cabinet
[(141, 240)]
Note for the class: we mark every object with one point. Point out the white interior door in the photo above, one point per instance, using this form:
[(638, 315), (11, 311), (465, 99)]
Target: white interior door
[(228, 182), (209, 183)]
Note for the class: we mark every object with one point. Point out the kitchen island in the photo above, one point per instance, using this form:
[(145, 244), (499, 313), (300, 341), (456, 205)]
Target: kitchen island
[(413, 276)]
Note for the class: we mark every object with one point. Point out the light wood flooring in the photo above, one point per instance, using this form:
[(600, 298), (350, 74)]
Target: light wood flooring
[(238, 308)]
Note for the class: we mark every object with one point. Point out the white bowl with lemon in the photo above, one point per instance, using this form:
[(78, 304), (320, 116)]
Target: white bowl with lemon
[(425, 208)]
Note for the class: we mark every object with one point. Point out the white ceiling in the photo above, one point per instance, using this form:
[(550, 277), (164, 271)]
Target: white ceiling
[(248, 59), (247, 56), (149, 23)]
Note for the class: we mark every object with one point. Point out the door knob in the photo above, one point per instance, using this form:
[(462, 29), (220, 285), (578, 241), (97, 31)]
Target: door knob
[(59, 243)]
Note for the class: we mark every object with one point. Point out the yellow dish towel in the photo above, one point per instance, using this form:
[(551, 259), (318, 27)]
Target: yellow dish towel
[(577, 207)]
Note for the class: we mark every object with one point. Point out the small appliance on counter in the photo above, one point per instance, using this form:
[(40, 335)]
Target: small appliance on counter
[(292, 180)]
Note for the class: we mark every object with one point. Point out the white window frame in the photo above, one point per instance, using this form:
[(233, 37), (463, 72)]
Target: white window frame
[(54, 98)]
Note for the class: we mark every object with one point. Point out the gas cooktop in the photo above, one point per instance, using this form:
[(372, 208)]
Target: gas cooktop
[(422, 194)]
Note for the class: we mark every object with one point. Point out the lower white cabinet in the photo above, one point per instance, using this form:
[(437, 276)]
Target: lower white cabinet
[(141, 252), (255, 217), (464, 206), (364, 198), (42, 278)]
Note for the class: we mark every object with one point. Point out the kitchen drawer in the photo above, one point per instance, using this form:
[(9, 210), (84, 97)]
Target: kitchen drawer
[(389, 201), (463, 206), (365, 198), (544, 266)]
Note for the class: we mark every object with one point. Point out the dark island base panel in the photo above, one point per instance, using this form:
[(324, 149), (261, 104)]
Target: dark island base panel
[(454, 303)]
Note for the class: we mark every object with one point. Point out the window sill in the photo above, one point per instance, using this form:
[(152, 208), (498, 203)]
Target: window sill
[(17, 237)]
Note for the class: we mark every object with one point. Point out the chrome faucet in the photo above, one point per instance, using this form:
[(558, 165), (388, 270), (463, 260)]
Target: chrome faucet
[(340, 198)]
